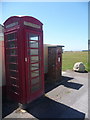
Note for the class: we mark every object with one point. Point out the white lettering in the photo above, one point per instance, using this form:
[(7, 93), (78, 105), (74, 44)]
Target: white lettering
[(12, 25), (31, 25)]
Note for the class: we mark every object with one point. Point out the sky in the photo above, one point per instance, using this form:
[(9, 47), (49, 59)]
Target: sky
[(64, 23)]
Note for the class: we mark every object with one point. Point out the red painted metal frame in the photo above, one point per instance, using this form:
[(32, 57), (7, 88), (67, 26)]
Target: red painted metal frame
[(21, 30)]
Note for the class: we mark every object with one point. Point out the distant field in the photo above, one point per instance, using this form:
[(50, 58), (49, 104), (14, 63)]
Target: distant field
[(70, 58)]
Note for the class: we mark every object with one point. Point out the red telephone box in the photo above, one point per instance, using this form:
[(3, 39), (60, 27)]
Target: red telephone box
[(24, 58)]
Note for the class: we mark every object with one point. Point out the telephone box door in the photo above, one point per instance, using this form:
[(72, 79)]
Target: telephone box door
[(34, 65), (54, 63)]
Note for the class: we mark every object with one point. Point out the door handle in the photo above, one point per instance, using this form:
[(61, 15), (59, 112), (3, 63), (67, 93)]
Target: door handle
[(26, 59)]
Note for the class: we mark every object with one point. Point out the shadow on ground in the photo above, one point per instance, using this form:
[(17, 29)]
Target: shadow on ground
[(82, 71), (48, 108), (8, 107), (63, 81), (66, 82)]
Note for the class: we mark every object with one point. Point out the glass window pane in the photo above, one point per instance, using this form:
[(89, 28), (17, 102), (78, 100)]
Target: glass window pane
[(12, 44), (33, 51), (34, 73), (11, 36), (13, 74), (35, 80), (13, 66), (34, 66), (34, 58), (33, 37), (13, 81), (12, 52), (13, 59), (13, 88), (35, 88), (33, 44)]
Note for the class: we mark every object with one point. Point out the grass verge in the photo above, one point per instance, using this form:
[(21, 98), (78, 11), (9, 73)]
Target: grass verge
[(70, 58)]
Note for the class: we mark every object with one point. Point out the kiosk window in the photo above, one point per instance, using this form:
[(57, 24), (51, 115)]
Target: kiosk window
[(13, 59), (33, 44), (35, 88), (34, 66), (34, 59), (33, 37), (12, 52), (34, 73), (35, 80), (34, 52), (12, 44), (11, 36), (12, 66)]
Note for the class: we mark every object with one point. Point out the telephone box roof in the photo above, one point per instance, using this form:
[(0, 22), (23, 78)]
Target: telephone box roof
[(22, 18)]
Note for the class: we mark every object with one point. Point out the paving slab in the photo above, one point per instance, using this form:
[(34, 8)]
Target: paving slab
[(66, 99), (74, 92)]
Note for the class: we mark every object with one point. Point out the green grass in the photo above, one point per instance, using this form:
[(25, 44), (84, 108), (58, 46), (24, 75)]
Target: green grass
[(70, 58)]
